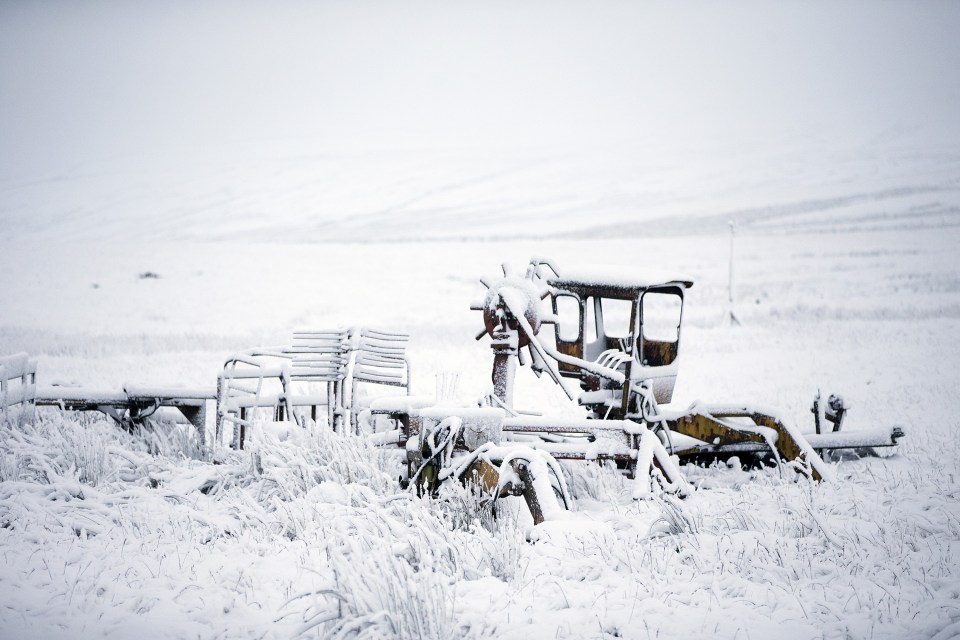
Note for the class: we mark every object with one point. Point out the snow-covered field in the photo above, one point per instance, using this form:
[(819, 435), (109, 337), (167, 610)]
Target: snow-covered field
[(320, 166), (101, 538)]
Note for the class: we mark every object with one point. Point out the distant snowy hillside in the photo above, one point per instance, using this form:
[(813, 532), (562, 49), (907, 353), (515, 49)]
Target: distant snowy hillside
[(426, 194), (327, 123)]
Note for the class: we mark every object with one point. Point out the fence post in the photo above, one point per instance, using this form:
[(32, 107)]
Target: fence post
[(29, 383), (731, 317), (23, 369), (3, 387)]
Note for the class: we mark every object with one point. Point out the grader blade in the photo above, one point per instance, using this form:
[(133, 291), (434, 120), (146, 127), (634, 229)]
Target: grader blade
[(717, 426)]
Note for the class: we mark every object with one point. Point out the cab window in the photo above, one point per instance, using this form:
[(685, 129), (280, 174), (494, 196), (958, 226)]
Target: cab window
[(567, 309), (661, 316), (616, 317)]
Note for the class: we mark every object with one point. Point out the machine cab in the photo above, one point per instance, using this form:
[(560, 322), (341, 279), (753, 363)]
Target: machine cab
[(631, 326)]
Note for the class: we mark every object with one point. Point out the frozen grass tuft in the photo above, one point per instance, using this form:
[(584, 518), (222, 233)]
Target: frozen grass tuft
[(674, 518), (296, 460), (171, 440), (465, 507), (596, 480), (57, 447), (491, 530), (388, 593)]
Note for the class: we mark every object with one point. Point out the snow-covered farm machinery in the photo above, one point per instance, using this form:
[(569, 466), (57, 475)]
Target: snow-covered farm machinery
[(614, 349), (619, 338)]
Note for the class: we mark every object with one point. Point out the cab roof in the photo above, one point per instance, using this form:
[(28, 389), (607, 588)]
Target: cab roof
[(614, 278)]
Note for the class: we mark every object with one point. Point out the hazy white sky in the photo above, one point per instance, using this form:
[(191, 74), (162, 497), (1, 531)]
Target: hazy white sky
[(88, 81)]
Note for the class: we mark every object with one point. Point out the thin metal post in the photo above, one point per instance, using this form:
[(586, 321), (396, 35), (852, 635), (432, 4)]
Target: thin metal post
[(730, 282)]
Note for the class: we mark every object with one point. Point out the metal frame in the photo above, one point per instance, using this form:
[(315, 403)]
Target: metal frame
[(340, 359)]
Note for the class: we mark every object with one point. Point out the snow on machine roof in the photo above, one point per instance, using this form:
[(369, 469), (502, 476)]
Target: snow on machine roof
[(614, 277)]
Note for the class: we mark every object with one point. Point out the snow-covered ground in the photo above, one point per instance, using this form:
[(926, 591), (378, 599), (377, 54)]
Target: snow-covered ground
[(319, 166), (229, 551)]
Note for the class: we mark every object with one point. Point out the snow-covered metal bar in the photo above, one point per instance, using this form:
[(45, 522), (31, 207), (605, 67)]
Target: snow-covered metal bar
[(18, 382), (837, 440)]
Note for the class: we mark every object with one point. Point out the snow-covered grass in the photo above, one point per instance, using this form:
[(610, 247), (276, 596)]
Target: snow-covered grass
[(303, 534), (756, 557)]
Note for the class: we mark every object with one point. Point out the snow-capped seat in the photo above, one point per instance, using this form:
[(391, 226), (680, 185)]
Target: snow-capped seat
[(379, 358)]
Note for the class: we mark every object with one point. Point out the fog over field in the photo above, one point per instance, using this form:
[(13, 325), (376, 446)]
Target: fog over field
[(331, 121)]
